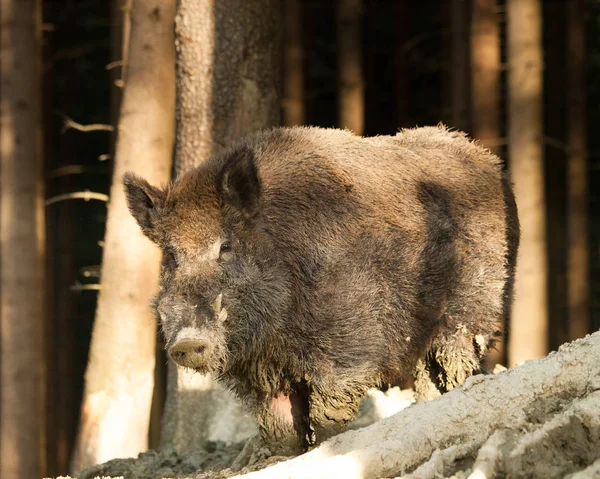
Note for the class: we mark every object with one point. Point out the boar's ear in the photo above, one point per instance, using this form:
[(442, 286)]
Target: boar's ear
[(144, 201), (238, 182)]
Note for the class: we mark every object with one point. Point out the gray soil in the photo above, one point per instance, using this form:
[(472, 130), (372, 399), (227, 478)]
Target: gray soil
[(218, 460), (167, 463)]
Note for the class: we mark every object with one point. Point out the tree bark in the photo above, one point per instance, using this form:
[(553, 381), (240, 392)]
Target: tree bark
[(459, 64), (228, 75), (537, 420), (485, 73), (119, 378), (577, 176), (293, 64), (22, 237), (228, 56), (351, 88), (485, 96), (403, 66), (555, 161), (528, 331)]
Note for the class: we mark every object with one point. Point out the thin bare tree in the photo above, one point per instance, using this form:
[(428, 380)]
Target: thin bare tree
[(529, 320), (577, 176), (293, 64), (458, 94), (22, 243), (120, 374), (485, 73), (350, 74), (485, 93), (228, 75)]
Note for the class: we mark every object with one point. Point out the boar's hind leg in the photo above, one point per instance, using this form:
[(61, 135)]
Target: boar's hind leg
[(425, 384), (455, 354)]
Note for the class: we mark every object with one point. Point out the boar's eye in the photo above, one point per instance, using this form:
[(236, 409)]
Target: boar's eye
[(226, 252)]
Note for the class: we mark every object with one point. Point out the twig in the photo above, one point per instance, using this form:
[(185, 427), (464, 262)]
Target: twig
[(90, 271), (86, 195), (77, 286), (75, 170), (117, 63), (69, 123), (559, 145), (70, 53), (66, 170)]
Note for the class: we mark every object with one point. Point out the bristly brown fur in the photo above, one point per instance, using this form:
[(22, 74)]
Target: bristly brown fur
[(350, 260)]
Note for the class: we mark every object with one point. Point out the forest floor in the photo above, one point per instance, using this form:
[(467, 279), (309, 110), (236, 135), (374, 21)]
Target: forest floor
[(217, 458), (538, 420)]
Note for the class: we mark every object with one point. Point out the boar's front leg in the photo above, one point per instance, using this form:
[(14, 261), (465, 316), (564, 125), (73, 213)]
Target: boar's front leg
[(283, 421), (333, 406)]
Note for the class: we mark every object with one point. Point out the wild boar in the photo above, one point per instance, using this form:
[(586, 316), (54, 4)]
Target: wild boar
[(303, 266)]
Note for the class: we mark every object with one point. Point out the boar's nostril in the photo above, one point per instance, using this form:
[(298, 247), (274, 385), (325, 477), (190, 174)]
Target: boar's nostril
[(177, 355), (200, 349), (190, 353)]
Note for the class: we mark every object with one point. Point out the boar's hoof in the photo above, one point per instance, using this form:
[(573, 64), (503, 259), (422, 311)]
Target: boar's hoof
[(191, 353)]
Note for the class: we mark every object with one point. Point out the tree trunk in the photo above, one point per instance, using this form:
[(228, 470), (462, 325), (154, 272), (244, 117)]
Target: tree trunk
[(403, 67), (351, 88), (22, 237), (538, 420), (228, 56), (485, 96), (485, 73), (528, 331), (238, 42), (578, 251), (119, 378), (555, 153), (120, 34), (293, 64), (459, 64)]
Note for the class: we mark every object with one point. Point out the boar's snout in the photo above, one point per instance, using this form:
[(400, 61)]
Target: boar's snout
[(191, 353), (194, 333)]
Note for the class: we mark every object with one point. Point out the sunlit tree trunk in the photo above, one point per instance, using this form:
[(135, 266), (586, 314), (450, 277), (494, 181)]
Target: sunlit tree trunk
[(119, 378), (228, 75), (293, 64), (577, 177), (485, 73), (120, 34), (529, 319), (350, 74), (485, 93), (22, 240)]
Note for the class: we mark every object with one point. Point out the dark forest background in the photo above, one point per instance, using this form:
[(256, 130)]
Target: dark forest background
[(407, 67)]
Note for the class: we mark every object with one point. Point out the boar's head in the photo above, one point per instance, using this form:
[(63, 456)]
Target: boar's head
[(218, 279)]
